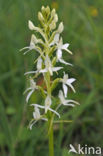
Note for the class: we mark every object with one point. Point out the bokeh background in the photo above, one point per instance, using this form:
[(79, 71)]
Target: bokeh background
[(83, 20)]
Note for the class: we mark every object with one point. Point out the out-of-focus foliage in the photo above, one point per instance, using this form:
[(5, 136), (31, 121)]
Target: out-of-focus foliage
[(84, 31)]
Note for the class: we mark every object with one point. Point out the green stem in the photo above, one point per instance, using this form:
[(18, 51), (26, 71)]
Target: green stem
[(51, 140)]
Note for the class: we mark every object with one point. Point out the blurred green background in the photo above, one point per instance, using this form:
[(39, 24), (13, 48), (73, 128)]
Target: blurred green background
[(83, 20)]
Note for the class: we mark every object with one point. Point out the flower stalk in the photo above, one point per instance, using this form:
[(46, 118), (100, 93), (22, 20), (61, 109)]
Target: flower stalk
[(50, 48)]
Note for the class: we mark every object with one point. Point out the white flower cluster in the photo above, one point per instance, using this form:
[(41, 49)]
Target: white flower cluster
[(49, 43)]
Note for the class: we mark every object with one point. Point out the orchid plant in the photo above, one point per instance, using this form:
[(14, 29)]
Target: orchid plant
[(50, 48)]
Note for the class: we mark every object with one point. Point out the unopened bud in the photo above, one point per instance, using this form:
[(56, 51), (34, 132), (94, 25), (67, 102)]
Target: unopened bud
[(47, 10), (40, 16), (31, 25), (53, 13), (34, 39), (52, 25), (43, 8), (55, 18), (60, 27)]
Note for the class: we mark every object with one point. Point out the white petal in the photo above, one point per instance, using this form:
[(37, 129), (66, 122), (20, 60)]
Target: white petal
[(29, 94), (54, 112), (72, 88), (30, 72), (65, 88), (59, 54), (64, 62), (32, 124), (43, 71), (66, 104), (73, 102), (65, 46), (71, 80), (56, 68)]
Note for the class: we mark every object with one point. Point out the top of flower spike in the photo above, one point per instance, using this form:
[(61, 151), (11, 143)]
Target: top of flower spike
[(48, 19)]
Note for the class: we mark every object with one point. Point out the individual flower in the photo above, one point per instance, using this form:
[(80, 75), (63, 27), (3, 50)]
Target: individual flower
[(66, 102), (36, 117), (67, 82), (60, 46), (39, 67), (31, 89), (47, 105), (32, 45), (49, 67)]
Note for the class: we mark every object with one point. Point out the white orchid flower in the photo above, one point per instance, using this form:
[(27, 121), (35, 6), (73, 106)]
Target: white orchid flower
[(66, 102), (36, 116), (60, 47), (48, 103), (39, 67), (32, 45), (67, 82), (47, 106), (31, 89), (49, 67)]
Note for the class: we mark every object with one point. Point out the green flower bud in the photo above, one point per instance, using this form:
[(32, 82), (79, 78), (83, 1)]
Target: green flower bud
[(52, 25), (31, 25), (60, 27), (40, 16), (47, 10), (53, 13), (55, 18)]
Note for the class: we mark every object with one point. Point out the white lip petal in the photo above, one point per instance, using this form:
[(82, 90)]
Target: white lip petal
[(29, 94), (65, 88), (59, 54)]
